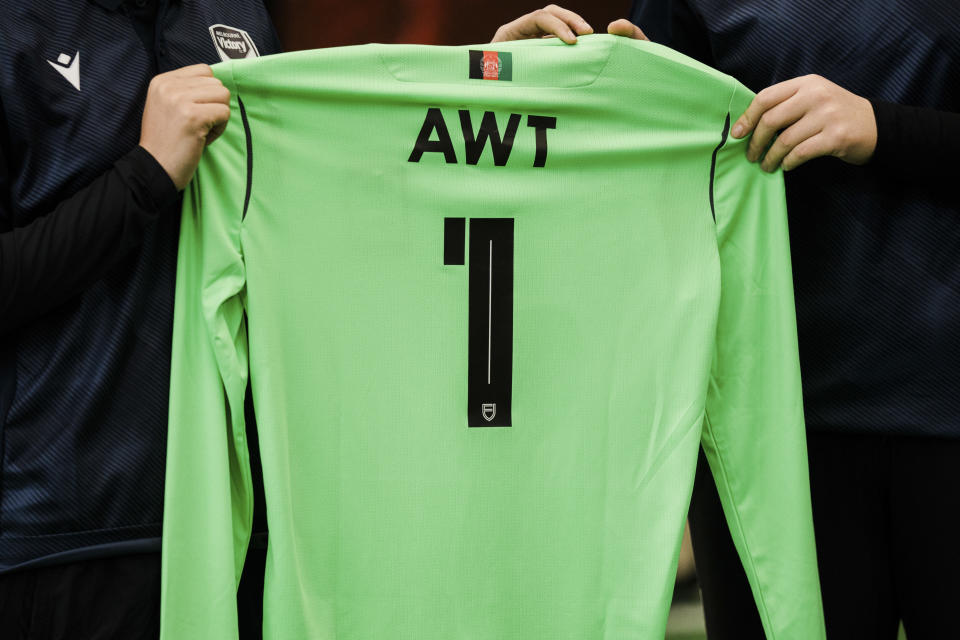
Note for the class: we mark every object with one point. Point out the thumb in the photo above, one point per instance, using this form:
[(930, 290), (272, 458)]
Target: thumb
[(627, 29)]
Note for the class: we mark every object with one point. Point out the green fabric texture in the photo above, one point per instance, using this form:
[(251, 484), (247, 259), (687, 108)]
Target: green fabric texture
[(640, 325)]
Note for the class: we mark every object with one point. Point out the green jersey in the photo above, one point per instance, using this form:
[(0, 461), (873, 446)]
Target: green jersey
[(489, 304)]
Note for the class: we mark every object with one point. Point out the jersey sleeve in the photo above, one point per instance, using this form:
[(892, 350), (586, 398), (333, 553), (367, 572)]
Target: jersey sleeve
[(754, 434), (208, 501)]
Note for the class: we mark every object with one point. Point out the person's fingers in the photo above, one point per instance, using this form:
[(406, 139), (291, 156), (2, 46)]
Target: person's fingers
[(627, 29), (193, 70), (788, 140), (171, 87), (545, 23), (198, 81), (809, 149), (217, 129), (549, 21), (535, 25), (204, 90), (777, 118), (207, 117), (573, 20), (210, 92), (763, 102), (503, 33)]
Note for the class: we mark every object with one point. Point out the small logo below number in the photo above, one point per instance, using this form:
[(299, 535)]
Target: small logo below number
[(489, 411)]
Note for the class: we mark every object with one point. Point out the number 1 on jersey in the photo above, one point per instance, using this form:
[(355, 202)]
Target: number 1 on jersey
[(490, 316)]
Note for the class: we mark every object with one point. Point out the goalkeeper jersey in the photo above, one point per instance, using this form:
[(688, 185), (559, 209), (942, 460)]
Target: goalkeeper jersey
[(489, 301)]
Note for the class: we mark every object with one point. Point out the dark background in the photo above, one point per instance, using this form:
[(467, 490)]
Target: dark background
[(309, 24)]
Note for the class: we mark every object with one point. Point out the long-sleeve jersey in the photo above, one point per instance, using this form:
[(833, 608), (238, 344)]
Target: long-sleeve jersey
[(489, 301)]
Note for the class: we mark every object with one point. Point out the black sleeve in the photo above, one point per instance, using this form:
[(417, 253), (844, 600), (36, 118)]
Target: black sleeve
[(675, 24), (917, 143), (59, 254)]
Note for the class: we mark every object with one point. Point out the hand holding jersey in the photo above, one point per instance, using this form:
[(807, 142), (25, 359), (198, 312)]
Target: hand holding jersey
[(549, 21), (815, 116), (186, 110), (627, 29), (557, 21)]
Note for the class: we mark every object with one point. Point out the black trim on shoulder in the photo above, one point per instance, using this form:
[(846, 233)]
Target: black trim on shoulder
[(246, 131), (713, 163)]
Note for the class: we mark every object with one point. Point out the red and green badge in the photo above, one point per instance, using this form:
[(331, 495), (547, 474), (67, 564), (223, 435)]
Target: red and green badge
[(491, 65)]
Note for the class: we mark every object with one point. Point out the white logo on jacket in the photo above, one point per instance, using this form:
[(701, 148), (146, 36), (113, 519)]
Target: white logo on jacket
[(232, 43), (69, 69)]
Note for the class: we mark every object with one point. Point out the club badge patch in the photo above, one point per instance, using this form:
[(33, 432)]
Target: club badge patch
[(491, 65), (232, 43)]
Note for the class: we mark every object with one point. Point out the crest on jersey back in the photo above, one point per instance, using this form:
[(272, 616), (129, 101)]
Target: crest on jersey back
[(232, 43), (491, 65)]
